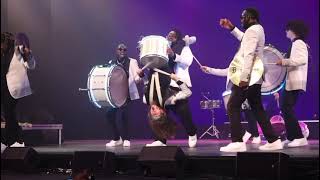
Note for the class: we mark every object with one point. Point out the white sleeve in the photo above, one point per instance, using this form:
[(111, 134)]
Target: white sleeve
[(184, 93), (31, 63), (134, 67), (298, 54), (218, 72), (237, 33), (185, 58)]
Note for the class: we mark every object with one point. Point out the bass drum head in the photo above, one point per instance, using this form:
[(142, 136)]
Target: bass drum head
[(274, 75), (117, 86)]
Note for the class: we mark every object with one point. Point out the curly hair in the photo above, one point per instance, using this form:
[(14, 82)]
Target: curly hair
[(163, 126), (22, 39), (299, 28)]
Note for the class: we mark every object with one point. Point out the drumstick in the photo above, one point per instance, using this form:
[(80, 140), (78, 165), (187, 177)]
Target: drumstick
[(197, 61), (147, 65), (144, 67), (270, 63), (160, 71)]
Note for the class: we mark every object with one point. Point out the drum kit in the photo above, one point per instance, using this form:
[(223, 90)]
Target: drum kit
[(210, 105)]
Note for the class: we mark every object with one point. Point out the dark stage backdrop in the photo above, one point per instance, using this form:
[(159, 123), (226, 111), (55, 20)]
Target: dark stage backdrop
[(68, 37)]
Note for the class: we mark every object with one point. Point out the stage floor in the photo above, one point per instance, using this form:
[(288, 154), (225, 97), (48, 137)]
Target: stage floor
[(205, 148)]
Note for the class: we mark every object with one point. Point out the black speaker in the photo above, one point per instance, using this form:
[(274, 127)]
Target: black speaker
[(22, 159), (262, 165), (93, 163), (165, 161)]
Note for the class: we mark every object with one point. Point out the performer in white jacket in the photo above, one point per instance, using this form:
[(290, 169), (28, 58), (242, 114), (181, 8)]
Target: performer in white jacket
[(249, 116), (180, 58), (296, 80), (16, 58), (134, 74), (251, 45)]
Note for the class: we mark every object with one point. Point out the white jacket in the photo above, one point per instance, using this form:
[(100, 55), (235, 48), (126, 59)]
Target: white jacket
[(133, 79), (181, 68), (297, 66), (17, 77), (252, 42)]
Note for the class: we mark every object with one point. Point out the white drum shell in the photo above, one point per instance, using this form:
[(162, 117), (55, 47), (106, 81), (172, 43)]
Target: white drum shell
[(154, 49), (99, 87)]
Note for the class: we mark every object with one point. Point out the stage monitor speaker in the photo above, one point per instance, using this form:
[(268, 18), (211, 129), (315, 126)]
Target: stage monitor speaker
[(162, 161), (262, 165), (94, 163), (21, 159)]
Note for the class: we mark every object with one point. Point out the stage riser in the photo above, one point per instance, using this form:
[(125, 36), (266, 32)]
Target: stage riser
[(195, 166)]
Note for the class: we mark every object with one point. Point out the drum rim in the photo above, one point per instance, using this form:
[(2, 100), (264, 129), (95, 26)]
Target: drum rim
[(108, 85), (274, 50), (91, 98), (90, 93), (109, 92), (153, 36), (270, 47)]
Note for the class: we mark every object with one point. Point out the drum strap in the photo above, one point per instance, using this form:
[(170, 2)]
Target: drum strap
[(155, 81)]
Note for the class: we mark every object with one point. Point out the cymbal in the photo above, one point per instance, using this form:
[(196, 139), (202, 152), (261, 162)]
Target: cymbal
[(235, 70)]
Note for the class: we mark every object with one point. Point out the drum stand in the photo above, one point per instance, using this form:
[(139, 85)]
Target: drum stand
[(215, 131)]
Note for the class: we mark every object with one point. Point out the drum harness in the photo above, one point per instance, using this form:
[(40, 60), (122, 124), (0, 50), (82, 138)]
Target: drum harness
[(155, 83)]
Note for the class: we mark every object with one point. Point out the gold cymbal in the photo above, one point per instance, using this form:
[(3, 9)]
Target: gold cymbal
[(235, 69)]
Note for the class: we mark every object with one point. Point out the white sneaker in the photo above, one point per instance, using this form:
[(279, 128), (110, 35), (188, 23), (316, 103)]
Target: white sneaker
[(156, 143), (113, 143), (16, 144), (234, 147), (126, 143), (256, 140), (3, 147), (246, 137), (272, 146), (298, 142), (192, 141)]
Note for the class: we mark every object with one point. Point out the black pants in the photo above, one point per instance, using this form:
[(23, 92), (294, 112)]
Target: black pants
[(112, 117), (288, 101), (253, 94), (252, 122), (13, 132), (182, 110)]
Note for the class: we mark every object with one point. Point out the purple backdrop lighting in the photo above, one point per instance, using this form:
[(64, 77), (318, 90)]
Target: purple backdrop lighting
[(69, 37)]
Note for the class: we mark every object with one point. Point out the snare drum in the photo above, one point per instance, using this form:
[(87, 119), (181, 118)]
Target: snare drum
[(108, 86), (154, 49)]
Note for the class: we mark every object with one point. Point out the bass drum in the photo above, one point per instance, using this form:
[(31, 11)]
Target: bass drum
[(274, 75), (108, 86)]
